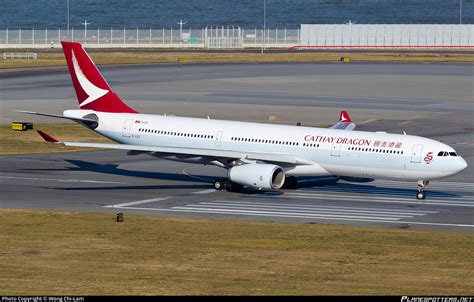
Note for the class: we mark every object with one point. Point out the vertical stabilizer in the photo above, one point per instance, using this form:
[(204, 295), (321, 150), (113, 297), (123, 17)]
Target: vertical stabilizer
[(92, 90)]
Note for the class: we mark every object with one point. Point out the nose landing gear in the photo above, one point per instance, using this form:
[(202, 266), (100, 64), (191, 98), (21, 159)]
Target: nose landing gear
[(421, 194)]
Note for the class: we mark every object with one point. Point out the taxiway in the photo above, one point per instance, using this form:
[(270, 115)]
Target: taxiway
[(432, 100)]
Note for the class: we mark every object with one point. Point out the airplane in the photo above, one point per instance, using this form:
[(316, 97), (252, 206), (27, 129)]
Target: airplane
[(255, 155)]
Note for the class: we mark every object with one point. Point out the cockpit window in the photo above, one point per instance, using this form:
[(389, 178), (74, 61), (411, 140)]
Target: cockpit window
[(446, 153)]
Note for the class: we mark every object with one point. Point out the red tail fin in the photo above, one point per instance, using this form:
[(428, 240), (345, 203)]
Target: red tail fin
[(92, 90), (344, 117)]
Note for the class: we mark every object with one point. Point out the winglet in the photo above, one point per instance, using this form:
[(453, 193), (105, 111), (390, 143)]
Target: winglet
[(344, 117), (345, 122), (47, 137)]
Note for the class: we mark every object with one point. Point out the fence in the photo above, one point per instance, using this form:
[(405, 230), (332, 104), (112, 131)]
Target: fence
[(211, 37), (20, 55), (310, 36), (387, 36)]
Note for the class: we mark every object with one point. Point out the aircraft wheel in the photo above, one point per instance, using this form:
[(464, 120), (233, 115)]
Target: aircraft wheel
[(228, 185), (420, 195), (235, 187), (218, 184), (232, 186)]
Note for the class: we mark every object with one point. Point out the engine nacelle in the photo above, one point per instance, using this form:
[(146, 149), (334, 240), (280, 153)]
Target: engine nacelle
[(260, 176)]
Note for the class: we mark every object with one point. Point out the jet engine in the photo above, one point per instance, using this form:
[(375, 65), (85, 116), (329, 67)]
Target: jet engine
[(260, 176)]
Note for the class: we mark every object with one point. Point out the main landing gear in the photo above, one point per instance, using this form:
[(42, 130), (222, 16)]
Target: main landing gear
[(228, 185), (421, 194)]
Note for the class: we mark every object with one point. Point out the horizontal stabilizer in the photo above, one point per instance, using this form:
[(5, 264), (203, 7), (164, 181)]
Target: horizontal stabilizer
[(77, 119), (47, 137)]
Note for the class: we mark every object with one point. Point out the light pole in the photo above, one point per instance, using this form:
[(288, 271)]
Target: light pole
[(460, 11), (68, 18), (264, 23), (181, 23), (85, 30)]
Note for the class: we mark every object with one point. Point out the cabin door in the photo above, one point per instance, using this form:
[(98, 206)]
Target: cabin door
[(126, 128), (218, 138), (416, 153), (336, 150)]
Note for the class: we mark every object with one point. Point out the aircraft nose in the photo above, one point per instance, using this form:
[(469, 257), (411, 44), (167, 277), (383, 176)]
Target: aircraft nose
[(462, 164)]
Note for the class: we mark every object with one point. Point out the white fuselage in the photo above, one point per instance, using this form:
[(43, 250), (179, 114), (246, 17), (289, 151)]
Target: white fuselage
[(333, 152)]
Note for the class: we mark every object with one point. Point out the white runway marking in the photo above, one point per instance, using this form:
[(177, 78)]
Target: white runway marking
[(380, 205), (205, 191), (386, 196), (315, 207), (376, 199), (64, 180), (299, 216), (132, 203), (434, 184), (393, 190), (308, 211), (304, 214)]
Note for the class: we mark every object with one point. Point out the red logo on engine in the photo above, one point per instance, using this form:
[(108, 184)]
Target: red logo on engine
[(428, 158)]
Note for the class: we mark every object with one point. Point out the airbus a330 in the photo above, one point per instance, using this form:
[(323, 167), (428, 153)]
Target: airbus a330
[(255, 155)]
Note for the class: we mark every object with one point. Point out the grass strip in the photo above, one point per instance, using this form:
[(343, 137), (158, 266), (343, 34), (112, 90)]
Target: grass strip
[(62, 253), (118, 57), (29, 142)]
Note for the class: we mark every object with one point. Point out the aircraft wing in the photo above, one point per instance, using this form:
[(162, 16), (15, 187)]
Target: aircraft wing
[(217, 154), (345, 122)]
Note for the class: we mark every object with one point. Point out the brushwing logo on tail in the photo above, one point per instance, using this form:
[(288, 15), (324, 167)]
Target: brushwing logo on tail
[(92, 91), (344, 118)]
